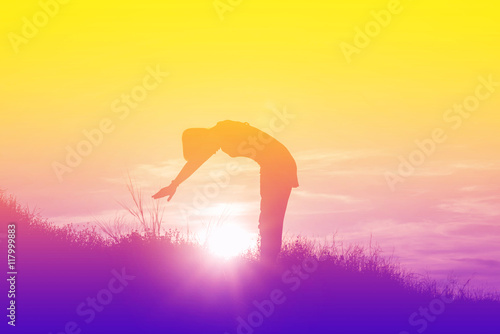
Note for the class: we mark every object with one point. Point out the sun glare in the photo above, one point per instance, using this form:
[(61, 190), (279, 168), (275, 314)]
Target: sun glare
[(229, 241)]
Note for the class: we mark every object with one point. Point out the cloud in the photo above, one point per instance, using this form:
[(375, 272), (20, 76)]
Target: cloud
[(473, 230), (440, 167), (330, 156), (477, 165), (330, 197), (481, 206), (320, 158), (480, 262)]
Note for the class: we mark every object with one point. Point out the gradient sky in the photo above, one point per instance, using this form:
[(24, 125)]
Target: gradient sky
[(352, 118)]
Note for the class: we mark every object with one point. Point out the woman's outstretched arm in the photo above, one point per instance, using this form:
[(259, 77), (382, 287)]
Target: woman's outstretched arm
[(189, 168)]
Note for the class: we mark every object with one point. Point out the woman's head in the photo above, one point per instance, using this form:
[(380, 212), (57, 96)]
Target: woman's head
[(199, 143)]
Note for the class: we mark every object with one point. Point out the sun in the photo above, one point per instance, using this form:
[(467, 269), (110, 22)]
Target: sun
[(229, 241)]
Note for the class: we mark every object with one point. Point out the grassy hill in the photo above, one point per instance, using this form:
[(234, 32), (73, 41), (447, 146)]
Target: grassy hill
[(78, 281)]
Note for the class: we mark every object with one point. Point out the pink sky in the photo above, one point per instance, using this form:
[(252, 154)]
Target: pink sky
[(442, 221)]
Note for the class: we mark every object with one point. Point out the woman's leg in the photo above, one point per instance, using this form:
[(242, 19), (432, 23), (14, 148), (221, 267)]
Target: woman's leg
[(274, 200)]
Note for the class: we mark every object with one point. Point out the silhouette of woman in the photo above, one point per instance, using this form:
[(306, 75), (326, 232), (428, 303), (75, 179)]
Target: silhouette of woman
[(278, 172)]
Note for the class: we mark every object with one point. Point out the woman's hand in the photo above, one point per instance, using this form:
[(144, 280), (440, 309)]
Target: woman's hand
[(167, 191)]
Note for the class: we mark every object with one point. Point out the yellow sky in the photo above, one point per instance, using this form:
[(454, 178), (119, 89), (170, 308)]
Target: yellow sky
[(63, 66), (89, 53), (63, 77)]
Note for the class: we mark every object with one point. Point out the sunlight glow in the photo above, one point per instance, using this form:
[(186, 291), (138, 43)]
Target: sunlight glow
[(229, 241)]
